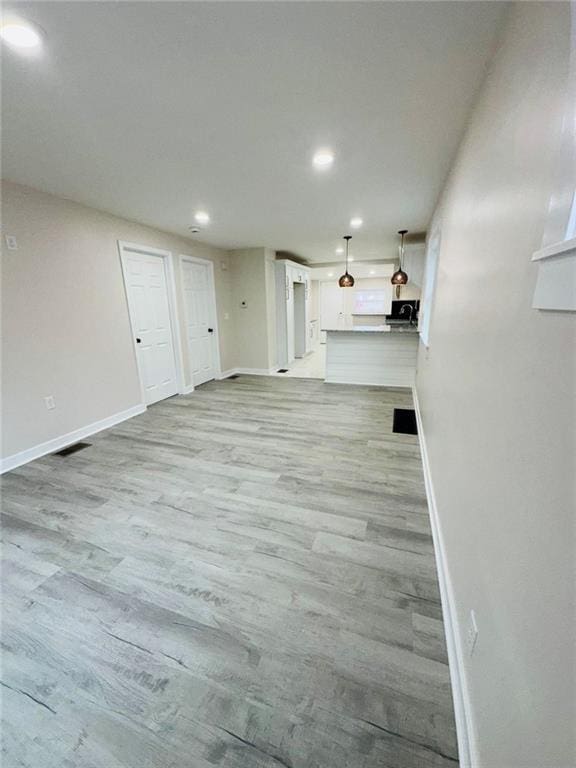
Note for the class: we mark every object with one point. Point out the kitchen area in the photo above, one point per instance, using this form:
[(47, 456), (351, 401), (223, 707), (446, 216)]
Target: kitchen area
[(382, 354), (363, 333)]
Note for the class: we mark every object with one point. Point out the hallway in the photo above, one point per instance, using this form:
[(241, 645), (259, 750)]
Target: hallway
[(242, 577)]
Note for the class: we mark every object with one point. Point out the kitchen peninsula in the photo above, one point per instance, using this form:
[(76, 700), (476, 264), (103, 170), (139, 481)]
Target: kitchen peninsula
[(383, 355)]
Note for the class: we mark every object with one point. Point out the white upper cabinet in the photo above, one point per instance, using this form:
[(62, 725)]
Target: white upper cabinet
[(292, 310), (414, 259)]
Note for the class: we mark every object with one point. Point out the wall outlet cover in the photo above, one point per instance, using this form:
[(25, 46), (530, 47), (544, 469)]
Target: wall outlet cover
[(50, 403), (11, 243)]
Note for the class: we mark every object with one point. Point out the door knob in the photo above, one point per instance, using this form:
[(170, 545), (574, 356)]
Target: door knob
[(210, 330), (138, 341)]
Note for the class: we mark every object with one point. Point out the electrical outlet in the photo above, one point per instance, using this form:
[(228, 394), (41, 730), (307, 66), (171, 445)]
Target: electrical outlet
[(472, 633), (226, 316), (11, 243), (50, 403)]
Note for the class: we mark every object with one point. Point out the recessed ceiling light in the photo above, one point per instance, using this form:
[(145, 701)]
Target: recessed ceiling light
[(356, 222), (20, 34), (339, 250), (323, 159), (330, 274), (372, 272), (201, 217), (350, 258)]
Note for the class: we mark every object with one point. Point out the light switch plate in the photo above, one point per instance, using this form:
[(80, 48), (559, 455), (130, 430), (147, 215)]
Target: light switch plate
[(50, 403), (11, 243)]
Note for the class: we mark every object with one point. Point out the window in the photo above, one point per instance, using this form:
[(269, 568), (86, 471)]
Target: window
[(430, 270), (371, 302)]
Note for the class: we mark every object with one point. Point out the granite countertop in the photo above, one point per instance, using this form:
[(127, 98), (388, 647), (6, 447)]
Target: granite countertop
[(374, 329)]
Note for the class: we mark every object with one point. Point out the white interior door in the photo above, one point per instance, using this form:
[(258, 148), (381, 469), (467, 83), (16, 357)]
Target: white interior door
[(200, 312), (148, 303)]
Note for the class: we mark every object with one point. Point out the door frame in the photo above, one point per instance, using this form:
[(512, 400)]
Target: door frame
[(124, 248), (213, 309)]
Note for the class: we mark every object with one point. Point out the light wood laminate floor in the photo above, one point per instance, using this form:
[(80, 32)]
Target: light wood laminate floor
[(243, 577)]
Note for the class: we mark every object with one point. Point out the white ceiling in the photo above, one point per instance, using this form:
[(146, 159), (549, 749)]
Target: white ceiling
[(152, 110)]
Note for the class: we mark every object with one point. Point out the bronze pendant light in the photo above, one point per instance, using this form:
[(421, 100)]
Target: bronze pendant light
[(346, 281), (400, 277)]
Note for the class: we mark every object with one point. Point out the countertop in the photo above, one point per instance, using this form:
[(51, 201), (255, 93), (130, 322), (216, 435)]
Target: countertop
[(374, 329)]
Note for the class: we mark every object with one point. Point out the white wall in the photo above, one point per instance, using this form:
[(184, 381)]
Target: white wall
[(497, 394), (65, 321), (408, 292)]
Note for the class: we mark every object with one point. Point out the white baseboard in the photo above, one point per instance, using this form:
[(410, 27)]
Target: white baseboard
[(247, 372), (56, 444), (256, 371), (462, 708), (186, 390), (369, 384), (226, 374)]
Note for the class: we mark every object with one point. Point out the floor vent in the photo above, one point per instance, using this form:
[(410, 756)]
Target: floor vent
[(234, 376), (72, 449), (282, 370), (405, 421)]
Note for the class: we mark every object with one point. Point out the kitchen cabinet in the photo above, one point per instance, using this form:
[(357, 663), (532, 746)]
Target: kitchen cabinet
[(293, 298), (414, 261)]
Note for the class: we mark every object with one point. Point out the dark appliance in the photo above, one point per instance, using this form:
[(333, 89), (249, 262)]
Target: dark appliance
[(397, 306)]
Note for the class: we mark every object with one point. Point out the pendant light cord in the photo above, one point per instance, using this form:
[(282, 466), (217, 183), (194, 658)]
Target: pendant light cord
[(347, 238), (401, 232)]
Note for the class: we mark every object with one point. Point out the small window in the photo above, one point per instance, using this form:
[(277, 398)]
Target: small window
[(372, 302)]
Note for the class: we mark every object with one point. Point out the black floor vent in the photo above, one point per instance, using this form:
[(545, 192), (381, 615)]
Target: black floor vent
[(282, 370), (72, 449), (234, 376), (405, 421)]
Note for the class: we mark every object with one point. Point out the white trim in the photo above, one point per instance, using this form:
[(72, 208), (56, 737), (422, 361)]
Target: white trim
[(364, 384), (188, 389), (226, 374), (247, 372), (214, 312), (468, 754), (57, 443), (556, 249), (168, 258), (256, 371)]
